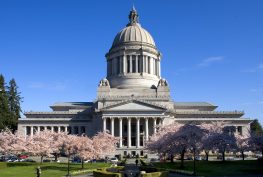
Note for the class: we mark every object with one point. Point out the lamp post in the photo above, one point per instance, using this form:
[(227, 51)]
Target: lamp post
[(68, 162), (194, 174)]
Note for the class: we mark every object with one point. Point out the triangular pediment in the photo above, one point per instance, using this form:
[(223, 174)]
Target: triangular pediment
[(134, 105)]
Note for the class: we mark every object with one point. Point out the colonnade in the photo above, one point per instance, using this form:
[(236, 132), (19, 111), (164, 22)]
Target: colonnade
[(133, 64), (31, 130), (139, 121)]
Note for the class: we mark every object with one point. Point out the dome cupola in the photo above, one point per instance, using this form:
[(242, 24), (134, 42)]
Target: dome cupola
[(133, 32), (133, 60)]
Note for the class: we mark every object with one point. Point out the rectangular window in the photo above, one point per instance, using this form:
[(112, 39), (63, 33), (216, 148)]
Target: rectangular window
[(239, 130)]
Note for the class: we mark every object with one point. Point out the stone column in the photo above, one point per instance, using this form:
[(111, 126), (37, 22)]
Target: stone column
[(143, 63), (129, 133), (146, 64), (150, 66), (25, 131), (112, 126), (136, 65), (104, 123), (52, 129), (120, 132), (31, 130), (131, 64), (138, 132), (146, 129), (124, 64), (66, 129), (45, 128), (38, 129), (154, 125)]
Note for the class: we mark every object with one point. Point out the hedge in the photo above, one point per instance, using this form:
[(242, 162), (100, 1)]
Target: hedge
[(105, 174), (155, 174)]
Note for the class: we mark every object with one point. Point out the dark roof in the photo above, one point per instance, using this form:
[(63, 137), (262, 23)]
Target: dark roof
[(72, 104), (179, 104)]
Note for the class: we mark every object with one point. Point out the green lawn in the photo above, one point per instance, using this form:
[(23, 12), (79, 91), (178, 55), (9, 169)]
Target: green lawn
[(218, 168), (26, 169)]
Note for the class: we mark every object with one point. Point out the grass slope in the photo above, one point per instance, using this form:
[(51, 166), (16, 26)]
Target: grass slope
[(20, 169), (218, 168)]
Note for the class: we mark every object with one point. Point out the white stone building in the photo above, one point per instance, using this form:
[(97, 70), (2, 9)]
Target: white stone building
[(131, 100)]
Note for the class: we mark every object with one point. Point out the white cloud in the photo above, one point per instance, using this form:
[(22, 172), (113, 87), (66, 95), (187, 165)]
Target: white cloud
[(209, 61)]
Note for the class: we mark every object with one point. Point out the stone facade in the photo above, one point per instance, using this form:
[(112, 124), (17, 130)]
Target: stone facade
[(131, 101)]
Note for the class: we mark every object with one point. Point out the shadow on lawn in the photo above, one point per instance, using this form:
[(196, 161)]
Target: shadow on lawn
[(59, 168), (14, 164)]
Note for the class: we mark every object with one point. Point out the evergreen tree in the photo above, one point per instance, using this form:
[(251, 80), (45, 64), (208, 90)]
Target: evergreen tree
[(14, 100), (4, 110), (256, 128)]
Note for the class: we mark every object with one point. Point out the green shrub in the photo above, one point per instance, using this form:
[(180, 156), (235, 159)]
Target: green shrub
[(156, 174), (3, 165), (105, 174)]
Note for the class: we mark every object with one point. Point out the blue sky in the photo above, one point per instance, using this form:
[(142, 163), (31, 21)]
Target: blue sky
[(212, 50)]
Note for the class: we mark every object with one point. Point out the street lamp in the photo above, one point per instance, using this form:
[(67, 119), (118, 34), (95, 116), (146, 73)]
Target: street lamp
[(194, 149), (68, 175)]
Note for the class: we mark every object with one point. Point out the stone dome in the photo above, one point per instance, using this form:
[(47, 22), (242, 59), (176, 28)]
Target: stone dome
[(133, 33)]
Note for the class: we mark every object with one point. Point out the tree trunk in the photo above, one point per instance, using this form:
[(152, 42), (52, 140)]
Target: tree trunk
[(172, 158), (82, 163), (223, 155), (243, 155), (56, 157), (194, 164), (182, 159), (41, 159), (206, 155)]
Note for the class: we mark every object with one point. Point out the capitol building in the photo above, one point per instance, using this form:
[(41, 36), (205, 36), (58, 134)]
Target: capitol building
[(132, 100)]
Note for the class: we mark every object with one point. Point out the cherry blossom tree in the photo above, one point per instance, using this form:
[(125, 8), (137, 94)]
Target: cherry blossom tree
[(157, 143), (40, 144), (12, 143), (188, 138), (177, 138), (211, 129), (224, 141), (242, 142), (46, 143), (256, 141), (85, 149), (104, 143)]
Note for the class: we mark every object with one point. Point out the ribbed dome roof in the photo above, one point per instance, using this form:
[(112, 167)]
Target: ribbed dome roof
[(133, 32)]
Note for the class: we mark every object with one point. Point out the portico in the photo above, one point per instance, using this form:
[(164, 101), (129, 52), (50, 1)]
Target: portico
[(132, 131)]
